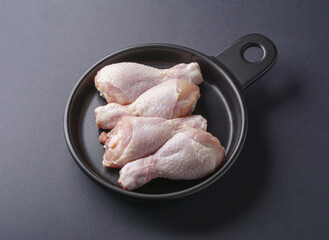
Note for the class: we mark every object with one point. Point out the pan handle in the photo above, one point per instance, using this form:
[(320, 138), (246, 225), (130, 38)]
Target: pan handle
[(247, 72)]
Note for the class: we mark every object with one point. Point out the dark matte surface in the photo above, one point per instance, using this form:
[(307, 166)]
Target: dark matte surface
[(277, 189)]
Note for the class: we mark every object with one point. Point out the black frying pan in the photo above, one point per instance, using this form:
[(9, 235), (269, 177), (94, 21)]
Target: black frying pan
[(225, 76)]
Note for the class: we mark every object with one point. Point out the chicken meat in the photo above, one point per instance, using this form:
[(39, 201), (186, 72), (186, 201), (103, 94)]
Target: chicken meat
[(124, 82), (137, 137), (189, 154), (171, 99)]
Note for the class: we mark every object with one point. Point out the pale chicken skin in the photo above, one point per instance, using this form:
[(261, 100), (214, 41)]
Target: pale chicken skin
[(171, 99), (103, 137), (124, 82), (137, 137), (189, 154)]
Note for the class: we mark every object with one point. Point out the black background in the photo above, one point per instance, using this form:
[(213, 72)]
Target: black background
[(278, 187)]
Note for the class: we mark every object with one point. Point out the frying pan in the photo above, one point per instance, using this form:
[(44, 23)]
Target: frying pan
[(225, 75)]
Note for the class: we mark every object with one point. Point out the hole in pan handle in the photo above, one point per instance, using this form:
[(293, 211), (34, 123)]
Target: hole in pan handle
[(247, 72)]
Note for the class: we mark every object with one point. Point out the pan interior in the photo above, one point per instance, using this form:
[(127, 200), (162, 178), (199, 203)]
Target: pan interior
[(219, 104)]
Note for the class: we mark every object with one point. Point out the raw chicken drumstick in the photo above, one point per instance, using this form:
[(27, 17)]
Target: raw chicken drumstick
[(189, 154), (137, 137), (124, 82), (171, 99)]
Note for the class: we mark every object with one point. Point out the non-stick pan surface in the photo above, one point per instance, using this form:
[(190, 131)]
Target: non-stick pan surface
[(221, 103)]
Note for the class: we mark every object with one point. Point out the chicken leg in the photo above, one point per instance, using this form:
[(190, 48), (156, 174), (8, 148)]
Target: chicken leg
[(124, 82), (171, 99), (137, 137), (189, 154)]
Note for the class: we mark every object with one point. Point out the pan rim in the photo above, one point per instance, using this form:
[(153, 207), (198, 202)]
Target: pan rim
[(229, 76)]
